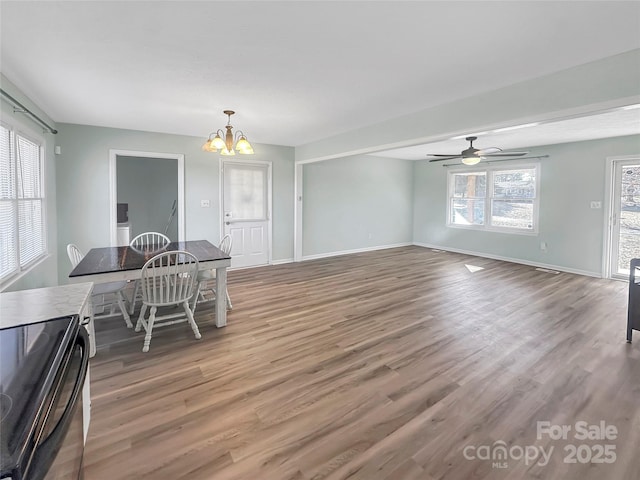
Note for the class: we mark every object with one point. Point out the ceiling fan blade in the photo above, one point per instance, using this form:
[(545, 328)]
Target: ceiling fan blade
[(442, 158), (505, 154), (488, 150), (443, 154)]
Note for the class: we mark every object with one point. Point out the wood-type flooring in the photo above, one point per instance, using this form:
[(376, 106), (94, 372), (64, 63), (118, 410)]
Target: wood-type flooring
[(394, 364)]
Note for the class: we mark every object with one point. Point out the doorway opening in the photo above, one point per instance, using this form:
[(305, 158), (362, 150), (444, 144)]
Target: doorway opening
[(146, 194)]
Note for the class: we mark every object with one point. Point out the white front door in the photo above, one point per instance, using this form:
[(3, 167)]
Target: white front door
[(625, 216), (246, 211)]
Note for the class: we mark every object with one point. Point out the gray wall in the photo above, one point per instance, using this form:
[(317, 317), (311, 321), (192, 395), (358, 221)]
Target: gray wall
[(83, 186), (46, 272), (571, 177), (356, 202), (149, 186), (336, 215)]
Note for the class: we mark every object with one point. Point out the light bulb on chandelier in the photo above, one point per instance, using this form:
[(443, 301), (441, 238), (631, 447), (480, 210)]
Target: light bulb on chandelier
[(224, 141)]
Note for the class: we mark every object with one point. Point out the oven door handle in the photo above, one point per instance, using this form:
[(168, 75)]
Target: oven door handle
[(48, 449)]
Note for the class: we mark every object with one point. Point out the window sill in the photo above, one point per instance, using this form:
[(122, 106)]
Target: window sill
[(508, 231), (7, 282)]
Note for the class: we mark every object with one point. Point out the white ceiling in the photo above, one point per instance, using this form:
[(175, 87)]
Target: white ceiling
[(295, 72), (614, 123)]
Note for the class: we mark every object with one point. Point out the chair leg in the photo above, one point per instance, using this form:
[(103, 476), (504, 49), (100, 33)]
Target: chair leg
[(196, 297), (143, 310), (123, 309), (149, 329), (132, 306), (229, 305), (192, 322)]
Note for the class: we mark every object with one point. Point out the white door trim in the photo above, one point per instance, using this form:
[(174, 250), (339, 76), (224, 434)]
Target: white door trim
[(297, 209), (610, 202), (113, 188), (269, 198), (608, 205)]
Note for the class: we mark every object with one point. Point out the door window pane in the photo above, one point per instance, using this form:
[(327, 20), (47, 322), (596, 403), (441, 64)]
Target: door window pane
[(246, 192), (629, 238)]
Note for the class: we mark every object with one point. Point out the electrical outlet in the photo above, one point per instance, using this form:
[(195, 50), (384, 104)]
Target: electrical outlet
[(543, 246), (205, 203), (595, 204)]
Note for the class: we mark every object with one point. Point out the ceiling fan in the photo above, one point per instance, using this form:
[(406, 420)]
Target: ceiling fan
[(472, 155)]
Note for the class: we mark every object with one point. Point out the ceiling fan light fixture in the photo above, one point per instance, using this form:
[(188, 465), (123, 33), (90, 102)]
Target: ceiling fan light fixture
[(472, 155), (471, 160), (224, 141)]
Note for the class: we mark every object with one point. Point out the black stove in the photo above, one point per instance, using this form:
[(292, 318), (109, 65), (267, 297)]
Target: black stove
[(35, 363)]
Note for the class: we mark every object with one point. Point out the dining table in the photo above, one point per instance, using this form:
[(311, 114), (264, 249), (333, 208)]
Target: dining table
[(111, 264)]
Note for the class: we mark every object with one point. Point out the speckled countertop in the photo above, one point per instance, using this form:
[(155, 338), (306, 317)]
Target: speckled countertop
[(39, 304)]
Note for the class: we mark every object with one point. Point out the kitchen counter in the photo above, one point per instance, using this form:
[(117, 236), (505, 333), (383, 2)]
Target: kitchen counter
[(39, 304)]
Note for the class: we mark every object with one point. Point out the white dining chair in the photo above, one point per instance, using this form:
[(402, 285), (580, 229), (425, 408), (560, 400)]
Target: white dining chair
[(105, 296), (149, 242), (167, 279), (205, 276)]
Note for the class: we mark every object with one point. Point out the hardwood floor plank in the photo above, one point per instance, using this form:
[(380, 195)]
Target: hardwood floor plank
[(377, 365)]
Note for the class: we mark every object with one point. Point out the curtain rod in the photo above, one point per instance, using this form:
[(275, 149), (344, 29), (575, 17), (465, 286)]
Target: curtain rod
[(22, 109), (494, 161)]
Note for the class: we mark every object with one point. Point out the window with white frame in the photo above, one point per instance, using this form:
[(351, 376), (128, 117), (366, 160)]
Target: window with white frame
[(22, 222), (494, 198)]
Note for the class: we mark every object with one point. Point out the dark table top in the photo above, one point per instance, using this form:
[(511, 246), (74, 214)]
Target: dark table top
[(118, 259)]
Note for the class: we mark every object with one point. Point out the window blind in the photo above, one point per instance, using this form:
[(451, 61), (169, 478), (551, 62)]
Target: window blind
[(22, 223)]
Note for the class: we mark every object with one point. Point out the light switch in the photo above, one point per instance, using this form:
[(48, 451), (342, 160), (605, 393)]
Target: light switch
[(205, 203), (596, 204)]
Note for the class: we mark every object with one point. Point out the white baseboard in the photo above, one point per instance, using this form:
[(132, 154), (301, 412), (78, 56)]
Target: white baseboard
[(356, 250), (511, 260), (282, 261)]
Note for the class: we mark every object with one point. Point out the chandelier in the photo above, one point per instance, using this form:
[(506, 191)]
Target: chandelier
[(224, 141)]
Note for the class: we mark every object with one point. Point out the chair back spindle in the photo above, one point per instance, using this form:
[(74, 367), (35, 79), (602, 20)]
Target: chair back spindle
[(75, 255), (225, 244), (169, 278), (152, 240)]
